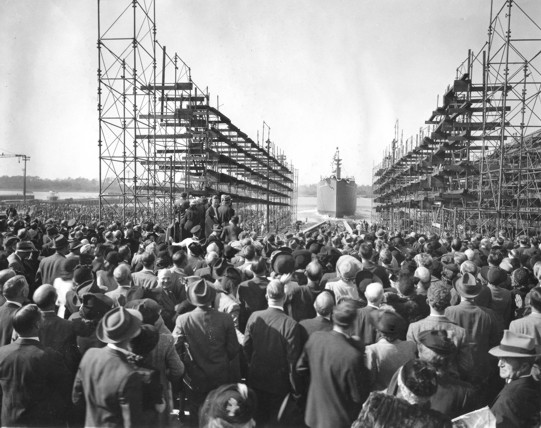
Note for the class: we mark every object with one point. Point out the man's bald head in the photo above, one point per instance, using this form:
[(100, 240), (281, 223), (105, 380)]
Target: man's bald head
[(314, 271), (324, 304), (45, 297), (374, 293)]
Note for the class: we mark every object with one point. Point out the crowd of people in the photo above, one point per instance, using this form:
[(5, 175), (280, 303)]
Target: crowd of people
[(209, 323)]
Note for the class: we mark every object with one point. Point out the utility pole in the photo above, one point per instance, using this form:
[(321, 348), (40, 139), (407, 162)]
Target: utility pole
[(25, 159)]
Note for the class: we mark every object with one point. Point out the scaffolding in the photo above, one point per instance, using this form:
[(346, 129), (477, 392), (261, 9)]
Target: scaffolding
[(476, 164), (159, 136)]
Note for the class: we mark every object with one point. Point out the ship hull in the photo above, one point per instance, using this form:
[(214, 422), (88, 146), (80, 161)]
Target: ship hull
[(336, 198)]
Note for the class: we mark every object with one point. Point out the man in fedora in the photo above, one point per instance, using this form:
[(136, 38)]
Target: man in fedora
[(17, 261), (519, 403), (108, 384), (207, 343), (481, 329), (50, 267)]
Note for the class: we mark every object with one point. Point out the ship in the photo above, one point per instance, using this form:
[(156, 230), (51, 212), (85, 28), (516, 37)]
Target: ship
[(337, 196)]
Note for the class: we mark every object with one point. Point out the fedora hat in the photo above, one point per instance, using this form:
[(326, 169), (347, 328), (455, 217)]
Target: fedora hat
[(467, 286), (25, 246), (60, 242), (10, 240), (195, 229), (118, 325), (75, 245), (199, 292), (514, 345)]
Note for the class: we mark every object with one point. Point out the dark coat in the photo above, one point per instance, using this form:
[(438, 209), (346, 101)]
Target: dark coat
[(312, 325), (225, 213), (6, 325), (518, 404), (212, 341), (338, 382), (35, 385), (50, 268), (300, 305), (61, 335), (211, 218), (272, 344), (481, 334), (111, 388), (365, 325), (251, 295)]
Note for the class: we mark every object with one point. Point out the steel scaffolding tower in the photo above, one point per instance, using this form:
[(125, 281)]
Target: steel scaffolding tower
[(159, 135), (476, 165)]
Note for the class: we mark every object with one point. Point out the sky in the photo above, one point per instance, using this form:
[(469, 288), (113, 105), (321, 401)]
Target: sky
[(322, 74)]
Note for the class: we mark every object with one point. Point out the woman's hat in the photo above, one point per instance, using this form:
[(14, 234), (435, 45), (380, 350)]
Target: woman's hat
[(146, 340), (118, 325), (390, 323), (437, 341), (149, 309), (514, 345)]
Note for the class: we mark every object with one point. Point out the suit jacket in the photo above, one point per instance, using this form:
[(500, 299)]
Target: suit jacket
[(225, 213), (251, 295), (124, 295), (35, 385), (212, 341), (365, 325), (503, 303), (530, 325), (338, 383), (312, 325), (145, 279), (462, 362), (6, 324), (49, 269), (518, 404), (481, 333), (165, 359), (61, 335), (384, 358), (301, 303), (111, 388), (272, 344), (16, 263)]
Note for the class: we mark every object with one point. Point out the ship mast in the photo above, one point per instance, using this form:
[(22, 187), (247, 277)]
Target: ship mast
[(338, 163)]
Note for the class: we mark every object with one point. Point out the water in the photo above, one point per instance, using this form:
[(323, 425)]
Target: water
[(61, 195), (307, 209)]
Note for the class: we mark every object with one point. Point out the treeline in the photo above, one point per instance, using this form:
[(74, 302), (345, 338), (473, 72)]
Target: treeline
[(39, 184), (311, 190)]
